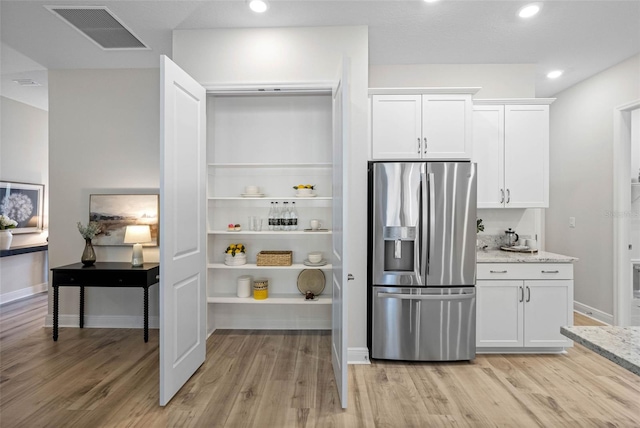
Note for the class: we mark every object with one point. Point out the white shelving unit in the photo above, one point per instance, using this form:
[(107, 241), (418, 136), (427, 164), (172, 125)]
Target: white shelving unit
[(273, 142)]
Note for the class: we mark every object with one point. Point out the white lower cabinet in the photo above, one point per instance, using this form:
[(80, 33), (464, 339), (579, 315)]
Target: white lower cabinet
[(525, 310)]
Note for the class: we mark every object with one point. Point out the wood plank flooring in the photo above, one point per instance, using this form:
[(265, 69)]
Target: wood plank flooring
[(109, 378)]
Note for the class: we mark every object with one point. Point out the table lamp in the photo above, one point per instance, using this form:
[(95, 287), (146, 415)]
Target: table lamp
[(136, 235)]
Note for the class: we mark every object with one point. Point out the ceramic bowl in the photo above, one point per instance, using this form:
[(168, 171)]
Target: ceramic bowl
[(315, 257)]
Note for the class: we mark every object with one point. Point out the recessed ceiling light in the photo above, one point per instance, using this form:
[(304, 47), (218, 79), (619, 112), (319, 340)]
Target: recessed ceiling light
[(26, 82), (554, 74), (529, 10), (258, 6), (430, 1)]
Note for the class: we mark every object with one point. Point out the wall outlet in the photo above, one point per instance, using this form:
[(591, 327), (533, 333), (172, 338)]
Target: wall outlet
[(572, 222)]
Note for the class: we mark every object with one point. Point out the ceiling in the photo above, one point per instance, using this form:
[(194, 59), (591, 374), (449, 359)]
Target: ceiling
[(581, 37)]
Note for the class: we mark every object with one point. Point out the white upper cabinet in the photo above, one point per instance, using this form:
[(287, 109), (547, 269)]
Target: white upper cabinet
[(511, 148), (412, 124)]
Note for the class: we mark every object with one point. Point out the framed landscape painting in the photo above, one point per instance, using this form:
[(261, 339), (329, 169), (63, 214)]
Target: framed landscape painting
[(23, 202), (115, 212)]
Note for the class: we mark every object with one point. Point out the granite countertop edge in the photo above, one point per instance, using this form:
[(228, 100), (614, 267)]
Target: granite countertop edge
[(499, 256), (617, 344)]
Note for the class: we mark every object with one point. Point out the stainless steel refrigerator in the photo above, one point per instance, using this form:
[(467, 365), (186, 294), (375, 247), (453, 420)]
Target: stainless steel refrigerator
[(422, 260)]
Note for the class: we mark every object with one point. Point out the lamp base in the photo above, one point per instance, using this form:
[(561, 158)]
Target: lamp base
[(136, 256)]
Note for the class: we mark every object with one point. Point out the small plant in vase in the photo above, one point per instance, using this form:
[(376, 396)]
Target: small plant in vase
[(6, 224), (88, 232), (235, 255)]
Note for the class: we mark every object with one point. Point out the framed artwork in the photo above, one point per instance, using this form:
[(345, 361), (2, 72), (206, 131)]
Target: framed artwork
[(23, 202), (115, 212)]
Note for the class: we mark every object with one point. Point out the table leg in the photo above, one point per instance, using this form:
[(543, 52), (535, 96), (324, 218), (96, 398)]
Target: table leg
[(55, 313), (81, 307), (146, 314)]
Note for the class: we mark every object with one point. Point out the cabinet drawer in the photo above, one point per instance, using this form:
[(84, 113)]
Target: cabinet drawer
[(525, 271)]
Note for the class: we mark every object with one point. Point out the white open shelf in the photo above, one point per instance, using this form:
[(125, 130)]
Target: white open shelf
[(270, 198), (268, 232), (295, 266), (273, 299), (273, 165)]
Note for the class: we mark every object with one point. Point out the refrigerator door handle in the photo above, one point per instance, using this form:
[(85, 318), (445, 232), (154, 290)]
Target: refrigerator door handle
[(432, 218), (423, 233), (383, 295)]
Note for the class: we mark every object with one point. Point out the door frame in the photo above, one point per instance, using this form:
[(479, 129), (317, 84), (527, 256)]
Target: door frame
[(622, 270)]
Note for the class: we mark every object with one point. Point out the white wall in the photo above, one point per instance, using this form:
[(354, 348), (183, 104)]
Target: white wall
[(24, 158), (104, 138), (496, 80), (297, 55), (581, 178)]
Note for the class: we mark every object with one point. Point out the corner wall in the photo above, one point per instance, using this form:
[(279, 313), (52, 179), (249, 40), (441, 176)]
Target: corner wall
[(24, 156), (104, 130), (581, 179)]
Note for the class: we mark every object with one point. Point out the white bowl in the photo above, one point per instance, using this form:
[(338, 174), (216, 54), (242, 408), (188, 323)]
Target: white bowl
[(304, 191), (249, 190), (315, 257)]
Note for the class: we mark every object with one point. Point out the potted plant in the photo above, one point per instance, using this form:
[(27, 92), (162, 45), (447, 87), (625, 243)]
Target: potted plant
[(6, 224), (88, 232)]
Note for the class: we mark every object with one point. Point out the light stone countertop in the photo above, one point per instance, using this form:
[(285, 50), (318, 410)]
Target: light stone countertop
[(618, 344), (500, 256)]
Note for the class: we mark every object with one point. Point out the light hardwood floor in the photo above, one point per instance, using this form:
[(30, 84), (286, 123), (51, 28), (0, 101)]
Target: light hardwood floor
[(109, 378)]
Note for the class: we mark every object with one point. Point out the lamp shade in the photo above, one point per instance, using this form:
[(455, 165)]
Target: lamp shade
[(137, 234)]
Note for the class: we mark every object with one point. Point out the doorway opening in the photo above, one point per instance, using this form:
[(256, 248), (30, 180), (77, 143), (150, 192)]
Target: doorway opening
[(626, 215)]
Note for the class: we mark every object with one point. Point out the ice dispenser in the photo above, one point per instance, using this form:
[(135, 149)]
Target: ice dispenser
[(399, 247)]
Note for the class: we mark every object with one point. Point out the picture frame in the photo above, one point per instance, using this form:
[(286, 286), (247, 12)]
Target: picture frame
[(114, 212), (24, 203)]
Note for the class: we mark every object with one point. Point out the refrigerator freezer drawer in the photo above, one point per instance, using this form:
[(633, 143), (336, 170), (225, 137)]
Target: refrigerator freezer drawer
[(423, 324)]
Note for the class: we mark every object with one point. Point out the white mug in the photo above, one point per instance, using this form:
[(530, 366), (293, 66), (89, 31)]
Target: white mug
[(531, 243), (315, 224)]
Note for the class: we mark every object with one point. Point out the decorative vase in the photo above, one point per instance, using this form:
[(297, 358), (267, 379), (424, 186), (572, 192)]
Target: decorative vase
[(88, 255), (5, 239)]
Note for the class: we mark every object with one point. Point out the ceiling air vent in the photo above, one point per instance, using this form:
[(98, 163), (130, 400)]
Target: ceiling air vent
[(99, 25)]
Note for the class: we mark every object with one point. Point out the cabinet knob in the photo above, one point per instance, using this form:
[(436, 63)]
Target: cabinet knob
[(508, 195), (498, 271), (425, 146), (550, 271), (501, 196), (419, 146)]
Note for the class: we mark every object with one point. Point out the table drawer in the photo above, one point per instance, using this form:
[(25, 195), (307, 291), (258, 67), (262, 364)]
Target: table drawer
[(104, 279), (525, 271)]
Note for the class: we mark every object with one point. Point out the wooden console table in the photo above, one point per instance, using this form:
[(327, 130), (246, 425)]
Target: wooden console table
[(104, 274)]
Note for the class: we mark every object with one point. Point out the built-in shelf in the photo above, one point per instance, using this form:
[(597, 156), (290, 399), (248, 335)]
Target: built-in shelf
[(273, 299), (269, 232), (269, 198), (272, 165), (295, 266)]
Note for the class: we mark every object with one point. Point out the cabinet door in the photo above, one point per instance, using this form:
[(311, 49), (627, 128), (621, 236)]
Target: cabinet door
[(526, 156), (396, 126), (446, 126), (499, 314), (488, 153), (548, 306)]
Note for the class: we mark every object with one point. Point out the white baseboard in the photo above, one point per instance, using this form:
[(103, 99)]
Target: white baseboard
[(103, 321), (358, 356), (590, 312), (23, 292)]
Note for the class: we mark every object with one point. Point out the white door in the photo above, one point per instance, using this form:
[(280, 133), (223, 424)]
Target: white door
[(488, 153), (548, 306), (182, 228), (499, 309), (396, 128), (341, 103), (446, 126), (526, 156)]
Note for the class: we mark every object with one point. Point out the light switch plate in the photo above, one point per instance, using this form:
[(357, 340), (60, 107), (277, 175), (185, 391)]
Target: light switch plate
[(572, 222)]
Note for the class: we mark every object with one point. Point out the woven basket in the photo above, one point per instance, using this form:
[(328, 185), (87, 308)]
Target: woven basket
[(275, 258)]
